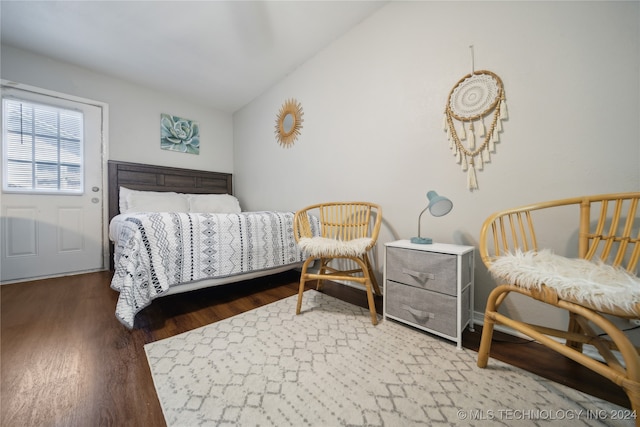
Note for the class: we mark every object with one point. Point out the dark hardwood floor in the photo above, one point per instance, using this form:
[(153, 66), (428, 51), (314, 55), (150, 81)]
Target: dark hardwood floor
[(67, 361)]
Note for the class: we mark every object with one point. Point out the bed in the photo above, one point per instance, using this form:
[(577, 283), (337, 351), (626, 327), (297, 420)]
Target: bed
[(175, 230)]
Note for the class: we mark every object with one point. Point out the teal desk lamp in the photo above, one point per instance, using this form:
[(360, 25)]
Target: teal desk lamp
[(438, 206)]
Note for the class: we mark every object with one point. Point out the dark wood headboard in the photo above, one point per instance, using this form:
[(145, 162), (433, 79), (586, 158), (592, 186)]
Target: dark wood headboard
[(137, 176)]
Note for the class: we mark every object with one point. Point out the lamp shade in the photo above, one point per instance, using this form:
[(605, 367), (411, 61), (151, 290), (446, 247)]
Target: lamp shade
[(438, 205)]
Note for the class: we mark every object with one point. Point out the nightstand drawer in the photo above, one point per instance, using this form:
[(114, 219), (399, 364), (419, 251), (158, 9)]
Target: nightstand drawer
[(436, 272), (425, 309)]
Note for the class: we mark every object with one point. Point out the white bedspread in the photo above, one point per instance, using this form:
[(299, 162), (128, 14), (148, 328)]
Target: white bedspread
[(154, 251)]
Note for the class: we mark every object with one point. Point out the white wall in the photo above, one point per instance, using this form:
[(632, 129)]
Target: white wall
[(373, 104), (134, 112)]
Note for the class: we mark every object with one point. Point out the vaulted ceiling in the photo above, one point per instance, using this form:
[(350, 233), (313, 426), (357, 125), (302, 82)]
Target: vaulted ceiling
[(219, 53)]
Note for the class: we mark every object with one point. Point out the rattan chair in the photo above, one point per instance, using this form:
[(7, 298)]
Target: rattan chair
[(609, 237), (348, 231)]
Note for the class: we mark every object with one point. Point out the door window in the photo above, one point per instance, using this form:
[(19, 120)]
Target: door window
[(43, 148)]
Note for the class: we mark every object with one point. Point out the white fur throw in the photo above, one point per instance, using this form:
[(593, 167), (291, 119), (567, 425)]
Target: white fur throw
[(596, 284), (324, 247)]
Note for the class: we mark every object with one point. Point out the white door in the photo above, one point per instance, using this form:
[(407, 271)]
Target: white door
[(46, 234)]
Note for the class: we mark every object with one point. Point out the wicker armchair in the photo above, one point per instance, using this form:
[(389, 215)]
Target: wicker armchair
[(348, 230), (609, 238)]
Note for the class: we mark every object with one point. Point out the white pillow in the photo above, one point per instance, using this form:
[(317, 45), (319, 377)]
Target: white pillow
[(152, 201), (123, 201), (213, 203)]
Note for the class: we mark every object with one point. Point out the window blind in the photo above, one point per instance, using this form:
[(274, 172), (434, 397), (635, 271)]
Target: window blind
[(43, 148)]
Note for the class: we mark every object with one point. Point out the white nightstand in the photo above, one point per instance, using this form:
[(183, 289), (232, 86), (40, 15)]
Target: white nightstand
[(430, 287)]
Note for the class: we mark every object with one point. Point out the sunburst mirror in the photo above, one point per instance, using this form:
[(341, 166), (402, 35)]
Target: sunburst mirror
[(289, 122)]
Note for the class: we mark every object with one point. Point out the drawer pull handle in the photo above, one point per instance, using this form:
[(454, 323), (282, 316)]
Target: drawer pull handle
[(419, 314), (419, 275)]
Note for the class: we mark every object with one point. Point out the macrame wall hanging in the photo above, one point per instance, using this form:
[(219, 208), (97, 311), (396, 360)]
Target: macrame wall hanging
[(477, 97)]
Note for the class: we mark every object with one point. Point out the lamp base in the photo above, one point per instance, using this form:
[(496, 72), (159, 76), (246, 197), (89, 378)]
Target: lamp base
[(422, 240)]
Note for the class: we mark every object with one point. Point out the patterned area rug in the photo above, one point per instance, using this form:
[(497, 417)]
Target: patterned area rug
[(330, 367)]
